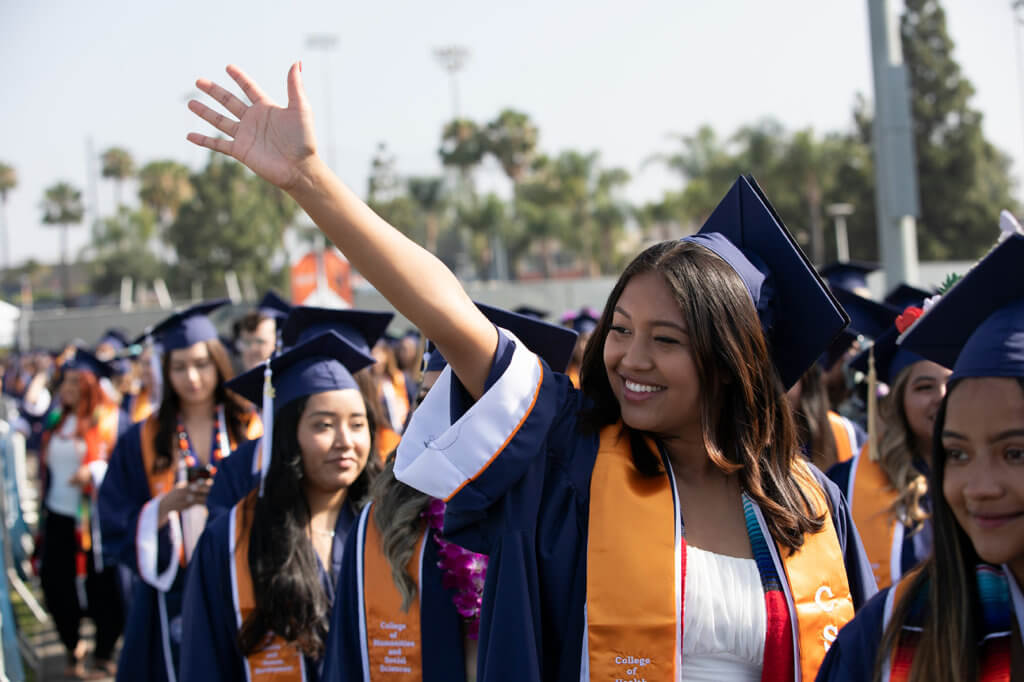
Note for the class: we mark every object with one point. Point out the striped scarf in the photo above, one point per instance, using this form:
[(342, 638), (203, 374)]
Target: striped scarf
[(994, 644), (778, 642)]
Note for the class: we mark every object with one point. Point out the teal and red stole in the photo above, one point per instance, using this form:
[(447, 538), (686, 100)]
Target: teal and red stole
[(996, 622)]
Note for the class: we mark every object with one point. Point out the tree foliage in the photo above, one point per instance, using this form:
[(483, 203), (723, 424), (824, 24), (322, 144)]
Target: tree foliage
[(963, 179), (117, 164), (62, 206), (163, 187), (235, 221), (121, 246)]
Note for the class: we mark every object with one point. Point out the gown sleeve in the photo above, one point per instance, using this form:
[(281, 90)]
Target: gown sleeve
[(234, 480), (472, 454), (840, 475), (209, 649), (129, 516), (851, 657)]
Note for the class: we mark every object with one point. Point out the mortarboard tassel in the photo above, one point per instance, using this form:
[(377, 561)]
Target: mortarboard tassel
[(267, 417), (872, 408)]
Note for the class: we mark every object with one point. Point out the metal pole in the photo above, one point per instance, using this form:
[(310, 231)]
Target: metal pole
[(1017, 6), (325, 42), (839, 213), (896, 193)]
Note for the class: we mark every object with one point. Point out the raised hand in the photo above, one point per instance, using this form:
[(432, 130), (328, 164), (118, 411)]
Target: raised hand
[(275, 142)]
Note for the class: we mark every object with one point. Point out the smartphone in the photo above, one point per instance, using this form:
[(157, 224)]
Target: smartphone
[(198, 473)]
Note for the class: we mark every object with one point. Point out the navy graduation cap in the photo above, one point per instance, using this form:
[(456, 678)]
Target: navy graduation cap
[(905, 295), (799, 315), (837, 349), (326, 362), (84, 360), (361, 328), (849, 274), (530, 311), (273, 306), (867, 317), (552, 342), (977, 327), (186, 328), (113, 338), (890, 358), (581, 321)]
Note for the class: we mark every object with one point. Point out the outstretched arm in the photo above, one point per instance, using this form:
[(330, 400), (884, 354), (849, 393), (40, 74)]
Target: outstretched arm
[(278, 144)]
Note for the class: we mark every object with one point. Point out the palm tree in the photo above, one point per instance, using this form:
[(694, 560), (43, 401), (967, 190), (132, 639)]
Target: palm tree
[(62, 206), (8, 181), (512, 139), (428, 193), (164, 186), (118, 165), (462, 148)]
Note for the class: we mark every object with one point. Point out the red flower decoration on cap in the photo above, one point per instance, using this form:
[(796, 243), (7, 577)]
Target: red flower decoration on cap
[(908, 318)]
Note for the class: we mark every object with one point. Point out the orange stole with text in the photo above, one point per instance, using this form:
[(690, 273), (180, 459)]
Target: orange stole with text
[(393, 637), (632, 620)]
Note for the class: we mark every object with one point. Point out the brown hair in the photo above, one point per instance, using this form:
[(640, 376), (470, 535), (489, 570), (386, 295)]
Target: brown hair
[(251, 320), (948, 644), (396, 511), (813, 428), (747, 425), (236, 412), (896, 457)]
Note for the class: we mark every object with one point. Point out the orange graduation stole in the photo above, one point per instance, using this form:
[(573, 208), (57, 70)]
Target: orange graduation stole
[(636, 555), (871, 497), (107, 416), (842, 436), (277, 660), (390, 637), (142, 406)]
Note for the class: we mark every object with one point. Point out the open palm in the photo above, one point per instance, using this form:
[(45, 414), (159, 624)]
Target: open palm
[(271, 140)]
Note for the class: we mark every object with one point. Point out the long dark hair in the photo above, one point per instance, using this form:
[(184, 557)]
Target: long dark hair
[(948, 646), (290, 600), (236, 413), (746, 421), (811, 418)]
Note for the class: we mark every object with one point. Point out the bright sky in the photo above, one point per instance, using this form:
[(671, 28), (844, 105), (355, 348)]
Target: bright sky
[(594, 74)]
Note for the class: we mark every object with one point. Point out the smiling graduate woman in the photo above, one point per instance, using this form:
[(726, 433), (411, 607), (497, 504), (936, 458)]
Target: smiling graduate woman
[(958, 617), (660, 522)]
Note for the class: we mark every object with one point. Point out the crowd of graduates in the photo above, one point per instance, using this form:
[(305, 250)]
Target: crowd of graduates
[(739, 468)]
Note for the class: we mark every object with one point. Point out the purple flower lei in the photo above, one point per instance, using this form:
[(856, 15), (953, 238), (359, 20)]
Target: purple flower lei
[(464, 571)]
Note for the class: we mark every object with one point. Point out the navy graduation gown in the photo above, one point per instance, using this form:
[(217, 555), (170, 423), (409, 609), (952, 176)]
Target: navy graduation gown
[(210, 643), (153, 627), (524, 502), (915, 548), (234, 480), (440, 623), (852, 656)]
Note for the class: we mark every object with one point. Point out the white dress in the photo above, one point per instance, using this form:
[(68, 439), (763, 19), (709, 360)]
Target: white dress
[(724, 618)]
